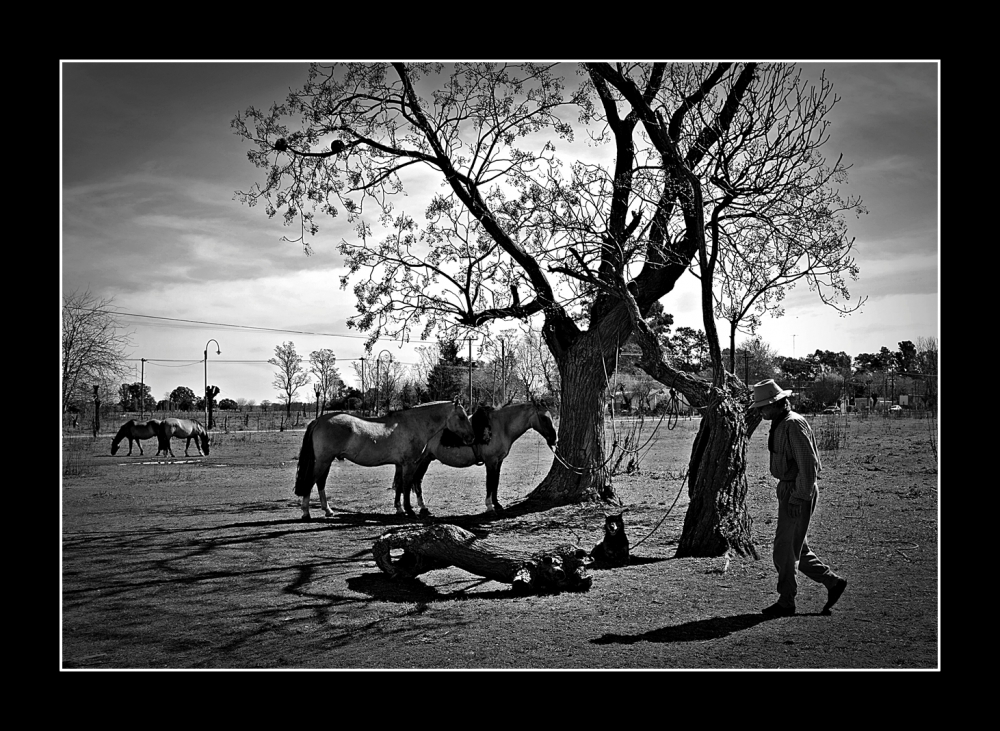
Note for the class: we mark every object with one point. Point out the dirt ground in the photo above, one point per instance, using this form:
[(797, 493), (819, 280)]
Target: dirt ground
[(202, 563)]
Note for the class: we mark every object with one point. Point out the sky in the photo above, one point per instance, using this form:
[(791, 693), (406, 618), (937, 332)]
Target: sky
[(150, 165)]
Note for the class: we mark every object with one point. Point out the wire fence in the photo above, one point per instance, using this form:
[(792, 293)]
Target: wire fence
[(108, 421)]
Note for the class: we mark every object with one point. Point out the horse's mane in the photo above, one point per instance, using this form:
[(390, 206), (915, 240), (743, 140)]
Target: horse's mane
[(417, 406), (480, 428)]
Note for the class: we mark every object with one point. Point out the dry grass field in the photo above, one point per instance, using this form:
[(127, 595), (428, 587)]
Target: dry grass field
[(202, 563)]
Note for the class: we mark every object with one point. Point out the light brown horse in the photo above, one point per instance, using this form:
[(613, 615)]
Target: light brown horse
[(182, 429), (506, 426), (134, 431), (399, 438)]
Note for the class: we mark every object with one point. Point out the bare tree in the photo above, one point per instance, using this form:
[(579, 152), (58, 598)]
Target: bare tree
[(291, 375), (389, 375), (427, 358), (534, 367), (94, 346), (776, 213), (516, 233), (322, 364)]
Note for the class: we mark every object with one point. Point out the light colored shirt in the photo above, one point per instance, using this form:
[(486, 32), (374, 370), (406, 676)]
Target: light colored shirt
[(795, 459)]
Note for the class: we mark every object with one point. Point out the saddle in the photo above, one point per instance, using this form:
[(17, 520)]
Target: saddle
[(480, 428)]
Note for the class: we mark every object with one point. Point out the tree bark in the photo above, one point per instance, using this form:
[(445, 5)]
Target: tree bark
[(426, 548), (579, 473), (717, 520)]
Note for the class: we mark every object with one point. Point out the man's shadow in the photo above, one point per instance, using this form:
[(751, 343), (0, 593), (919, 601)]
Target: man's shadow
[(697, 631)]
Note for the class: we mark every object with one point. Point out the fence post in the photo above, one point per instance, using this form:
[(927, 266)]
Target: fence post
[(97, 412)]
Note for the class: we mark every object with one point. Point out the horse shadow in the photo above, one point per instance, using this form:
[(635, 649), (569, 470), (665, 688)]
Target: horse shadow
[(697, 631)]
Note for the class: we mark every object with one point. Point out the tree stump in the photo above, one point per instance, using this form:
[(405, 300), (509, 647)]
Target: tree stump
[(425, 548)]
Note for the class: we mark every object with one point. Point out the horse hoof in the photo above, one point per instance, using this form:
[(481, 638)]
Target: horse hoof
[(328, 513), (305, 518), (425, 513)]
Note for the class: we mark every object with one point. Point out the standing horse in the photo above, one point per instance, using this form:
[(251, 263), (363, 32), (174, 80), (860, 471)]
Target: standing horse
[(506, 425), (134, 431), (398, 438), (182, 429)]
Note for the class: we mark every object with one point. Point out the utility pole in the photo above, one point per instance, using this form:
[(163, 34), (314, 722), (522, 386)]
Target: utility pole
[(142, 392), (503, 371), (362, 385), (97, 410), (470, 374)]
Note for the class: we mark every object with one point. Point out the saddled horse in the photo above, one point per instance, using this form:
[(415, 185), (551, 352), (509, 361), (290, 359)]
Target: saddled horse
[(399, 438), (506, 425), (182, 429), (134, 431)]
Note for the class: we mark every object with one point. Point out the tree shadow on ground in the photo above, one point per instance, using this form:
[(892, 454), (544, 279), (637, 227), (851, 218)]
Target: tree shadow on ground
[(632, 561), (384, 588), (697, 631)]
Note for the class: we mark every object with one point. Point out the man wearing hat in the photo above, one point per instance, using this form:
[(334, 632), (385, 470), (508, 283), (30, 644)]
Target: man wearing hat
[(796, 465)]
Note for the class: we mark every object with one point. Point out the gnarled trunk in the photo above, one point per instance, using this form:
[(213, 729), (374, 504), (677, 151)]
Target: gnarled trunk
[(579, 473), (717, 519), (423, 549)]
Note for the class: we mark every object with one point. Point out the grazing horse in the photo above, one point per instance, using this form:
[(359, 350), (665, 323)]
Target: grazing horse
[(506, 426), (182, 429), (398, 438), (134, 431)]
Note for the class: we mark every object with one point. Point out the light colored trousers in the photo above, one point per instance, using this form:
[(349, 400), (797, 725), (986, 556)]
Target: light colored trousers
[(791, 549)]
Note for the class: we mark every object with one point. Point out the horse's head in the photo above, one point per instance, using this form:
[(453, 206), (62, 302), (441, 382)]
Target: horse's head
[(122, 433), (458, 422), (204, 443), (542, 422)]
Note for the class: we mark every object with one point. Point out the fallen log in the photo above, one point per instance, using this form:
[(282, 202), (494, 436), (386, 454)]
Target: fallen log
[(425, 548)]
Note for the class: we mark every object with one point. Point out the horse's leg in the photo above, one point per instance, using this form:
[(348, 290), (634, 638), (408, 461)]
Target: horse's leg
[(416, 481), (320, 472), (321, 476), (402, 493), (165, 448), (492, 485), (130, 446), (139, 442)]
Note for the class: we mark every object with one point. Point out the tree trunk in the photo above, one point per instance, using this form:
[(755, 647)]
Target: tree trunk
[(426, 548), (579, 473), (717, 519)]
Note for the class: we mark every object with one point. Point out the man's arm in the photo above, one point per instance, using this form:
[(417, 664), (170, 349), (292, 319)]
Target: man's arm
[(806, 459)]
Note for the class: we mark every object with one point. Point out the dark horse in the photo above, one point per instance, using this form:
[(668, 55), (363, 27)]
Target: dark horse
[(182, 429), (399, 438), (134, 431), (506, 425)]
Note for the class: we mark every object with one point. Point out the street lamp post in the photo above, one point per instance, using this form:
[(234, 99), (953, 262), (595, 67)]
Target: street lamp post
[(218, 351)]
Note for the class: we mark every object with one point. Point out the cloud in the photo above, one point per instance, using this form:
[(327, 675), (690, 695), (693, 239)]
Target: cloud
[(142, 230)]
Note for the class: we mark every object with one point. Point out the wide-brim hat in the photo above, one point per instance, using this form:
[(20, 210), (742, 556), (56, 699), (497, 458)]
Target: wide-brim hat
[(767, 392)]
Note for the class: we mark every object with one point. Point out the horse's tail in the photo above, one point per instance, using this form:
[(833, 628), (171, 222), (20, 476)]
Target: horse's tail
[(304, 475)]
